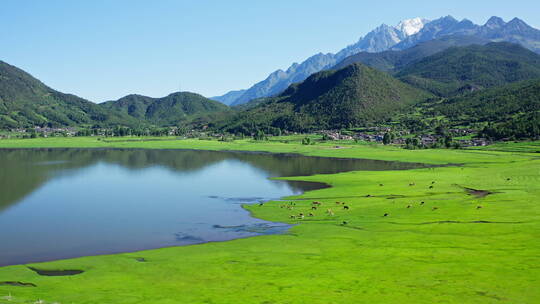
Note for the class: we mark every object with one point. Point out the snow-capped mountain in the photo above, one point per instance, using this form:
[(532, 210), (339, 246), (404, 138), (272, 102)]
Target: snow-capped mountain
[(380, 39), (412, 26), (404, 35), (495, 29)]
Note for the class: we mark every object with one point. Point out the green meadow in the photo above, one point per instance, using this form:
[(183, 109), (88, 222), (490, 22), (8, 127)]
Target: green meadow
[(463, 233)]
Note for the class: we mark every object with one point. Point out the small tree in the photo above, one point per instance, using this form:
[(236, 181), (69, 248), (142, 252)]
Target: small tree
[(387, 138), (448, 141), (259, 135)]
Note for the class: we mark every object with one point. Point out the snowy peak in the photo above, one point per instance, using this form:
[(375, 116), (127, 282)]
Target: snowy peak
[(411, 26)]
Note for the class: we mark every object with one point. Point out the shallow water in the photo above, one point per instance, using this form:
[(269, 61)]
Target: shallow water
[(63, 203)]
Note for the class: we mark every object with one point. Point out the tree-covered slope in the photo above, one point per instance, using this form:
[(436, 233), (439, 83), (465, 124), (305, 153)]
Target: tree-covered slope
[(461, 69), (496, 104), (169, 110), (393, 61), (27, 102), (352, 96)]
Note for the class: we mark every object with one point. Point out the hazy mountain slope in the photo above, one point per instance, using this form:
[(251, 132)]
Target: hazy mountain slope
[(460, 69), (351, 96), (27, 102), (280, 80), (229, 98), (169, 110)]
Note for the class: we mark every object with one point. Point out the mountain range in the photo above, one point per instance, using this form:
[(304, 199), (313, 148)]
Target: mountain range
[(358, 95), (454, 72), (406, 34), (380, 39)]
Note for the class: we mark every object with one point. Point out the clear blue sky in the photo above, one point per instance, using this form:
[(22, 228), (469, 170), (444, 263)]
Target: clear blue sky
[(105, 49)]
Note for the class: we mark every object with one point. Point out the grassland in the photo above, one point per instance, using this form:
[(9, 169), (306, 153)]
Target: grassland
[(447, 250)]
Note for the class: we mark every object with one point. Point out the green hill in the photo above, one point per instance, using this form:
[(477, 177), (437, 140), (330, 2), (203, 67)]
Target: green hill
[(495, 104), (26, 102), (351, 96), (393, 61), (462, 69), (166, 111)]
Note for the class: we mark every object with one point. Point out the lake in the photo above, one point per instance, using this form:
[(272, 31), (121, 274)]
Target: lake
[(64, 203)]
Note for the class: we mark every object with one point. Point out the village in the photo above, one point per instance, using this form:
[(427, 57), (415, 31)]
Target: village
[(463, 137)]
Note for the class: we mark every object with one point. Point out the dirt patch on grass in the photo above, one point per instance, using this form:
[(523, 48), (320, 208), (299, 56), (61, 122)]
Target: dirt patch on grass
[(339, 147), (476, 192), (17, 283), (55, 273)]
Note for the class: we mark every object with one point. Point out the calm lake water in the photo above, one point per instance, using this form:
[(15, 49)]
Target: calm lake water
[(63, 203)]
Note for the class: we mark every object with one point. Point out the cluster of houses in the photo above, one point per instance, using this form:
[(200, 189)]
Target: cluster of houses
[(377, 135), (335, 135), (42, 131)]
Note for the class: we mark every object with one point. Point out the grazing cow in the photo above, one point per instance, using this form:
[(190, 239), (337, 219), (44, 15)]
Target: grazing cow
[(344, 223), (292, 216), (338, 203), (421, 203), (313, 208), (260, 204), (316, 203), (408, 206), (430, 187), (508, 179), (346, 207), (369, 195), (478, 207), (433, 182), (380, 185), (412, 184), (435, 208), (301, 216), (311, 214), (386, 214)]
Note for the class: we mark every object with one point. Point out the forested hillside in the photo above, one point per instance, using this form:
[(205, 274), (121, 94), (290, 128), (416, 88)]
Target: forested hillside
[(461, 69), (352, 96), (26, 101), (174, 109)]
